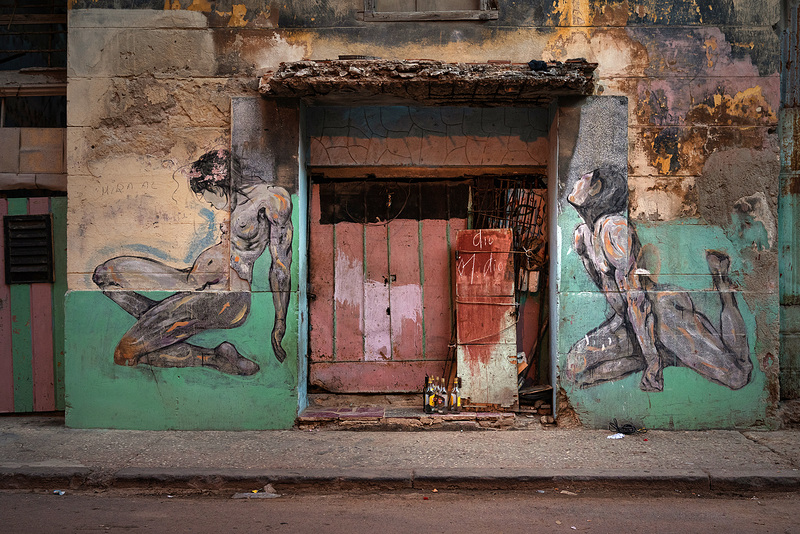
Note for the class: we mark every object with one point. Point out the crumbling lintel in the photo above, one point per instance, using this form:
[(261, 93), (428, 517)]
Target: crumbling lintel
[(428, 82)]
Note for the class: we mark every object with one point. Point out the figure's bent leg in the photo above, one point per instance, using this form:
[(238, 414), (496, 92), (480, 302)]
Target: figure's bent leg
[(603, 355), (224, 358), (158, 336), (611, 370), (722, 357), (133, 272), (732, 327), (653, 375), (131, 301)]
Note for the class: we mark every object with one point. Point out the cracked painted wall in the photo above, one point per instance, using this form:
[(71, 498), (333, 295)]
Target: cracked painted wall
[(428, 137), (150, 85)]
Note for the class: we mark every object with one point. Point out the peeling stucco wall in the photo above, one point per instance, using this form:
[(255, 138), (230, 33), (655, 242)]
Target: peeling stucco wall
[(150, 84)]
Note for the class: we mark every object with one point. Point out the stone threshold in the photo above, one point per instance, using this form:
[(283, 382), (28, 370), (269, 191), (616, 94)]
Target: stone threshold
[(399, 418)]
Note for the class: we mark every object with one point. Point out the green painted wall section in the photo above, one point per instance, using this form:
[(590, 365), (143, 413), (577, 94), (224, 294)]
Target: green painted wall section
[(21, 341), (688, 401), (101, 394), (58, 207)]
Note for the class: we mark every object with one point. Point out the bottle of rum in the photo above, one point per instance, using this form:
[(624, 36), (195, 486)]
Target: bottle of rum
[(442, 396), (427, 396), (455, 396), (434, 394)]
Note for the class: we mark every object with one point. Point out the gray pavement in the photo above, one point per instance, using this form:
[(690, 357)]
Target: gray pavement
[(40, 452)]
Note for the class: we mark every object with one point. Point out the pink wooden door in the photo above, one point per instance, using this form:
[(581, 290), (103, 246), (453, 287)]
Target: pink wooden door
[(380, 310), (485, 317)]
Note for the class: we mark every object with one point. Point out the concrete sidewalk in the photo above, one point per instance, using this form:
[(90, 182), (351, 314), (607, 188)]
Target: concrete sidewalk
[(39, 452)]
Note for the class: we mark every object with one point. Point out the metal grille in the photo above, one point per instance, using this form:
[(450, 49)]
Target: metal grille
[(33, 34), (518, 203), (29, 248)]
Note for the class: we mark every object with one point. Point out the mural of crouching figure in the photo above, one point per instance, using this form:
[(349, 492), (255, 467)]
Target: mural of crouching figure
[(214, 293), (650, 325)]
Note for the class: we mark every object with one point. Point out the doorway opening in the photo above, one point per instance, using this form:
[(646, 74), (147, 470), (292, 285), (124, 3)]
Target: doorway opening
[(382, 260)]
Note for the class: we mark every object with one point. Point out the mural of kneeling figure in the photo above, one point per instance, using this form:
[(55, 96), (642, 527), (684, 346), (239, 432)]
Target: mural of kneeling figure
[(651, 325), (214, 293)]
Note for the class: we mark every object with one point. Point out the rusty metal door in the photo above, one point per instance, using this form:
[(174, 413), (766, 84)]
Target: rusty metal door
[(486, 318)]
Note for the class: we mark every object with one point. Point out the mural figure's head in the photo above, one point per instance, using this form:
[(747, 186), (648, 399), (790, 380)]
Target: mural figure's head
[(601, 192), (210, 177)]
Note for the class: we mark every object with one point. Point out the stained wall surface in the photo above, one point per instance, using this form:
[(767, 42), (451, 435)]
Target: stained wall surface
[(695, 87)]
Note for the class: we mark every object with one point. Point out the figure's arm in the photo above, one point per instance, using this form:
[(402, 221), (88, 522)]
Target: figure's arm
[(278, 211), (618, 248), (583, 240)]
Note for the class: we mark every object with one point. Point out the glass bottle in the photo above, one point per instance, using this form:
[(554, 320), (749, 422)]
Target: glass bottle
[(427, 396), (455, 396), (442, 396)]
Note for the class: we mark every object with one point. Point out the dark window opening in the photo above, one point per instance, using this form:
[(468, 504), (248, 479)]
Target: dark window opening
[(33, 112), (379, 201), (519, 203), (33, 34)]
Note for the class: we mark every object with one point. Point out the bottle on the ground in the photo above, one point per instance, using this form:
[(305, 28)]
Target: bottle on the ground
[(455, 396), (442, 404), (427, 396)]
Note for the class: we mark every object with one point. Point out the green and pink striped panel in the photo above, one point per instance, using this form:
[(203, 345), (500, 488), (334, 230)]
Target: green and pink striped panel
[(32, 322)]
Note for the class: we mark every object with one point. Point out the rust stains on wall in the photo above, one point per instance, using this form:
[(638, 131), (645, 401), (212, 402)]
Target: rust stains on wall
[(744, 108), (235, 14), (687, 139), (663, 198)]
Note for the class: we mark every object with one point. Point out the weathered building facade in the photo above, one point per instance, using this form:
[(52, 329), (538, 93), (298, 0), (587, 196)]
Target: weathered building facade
[(33, 203), (246, 218)]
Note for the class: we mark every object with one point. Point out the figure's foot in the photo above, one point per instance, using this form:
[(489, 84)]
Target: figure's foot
[(227, 360), (277, 336), (652, 379), (719, 265)]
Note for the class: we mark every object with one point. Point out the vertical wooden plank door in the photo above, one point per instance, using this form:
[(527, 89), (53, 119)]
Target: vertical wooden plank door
[(383, 291)]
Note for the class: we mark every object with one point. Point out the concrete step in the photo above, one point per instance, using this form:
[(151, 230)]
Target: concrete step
[(399, 418)]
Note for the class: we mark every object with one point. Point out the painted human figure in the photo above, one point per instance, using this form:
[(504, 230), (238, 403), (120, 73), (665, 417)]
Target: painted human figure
[(214, 293), (651, 325)]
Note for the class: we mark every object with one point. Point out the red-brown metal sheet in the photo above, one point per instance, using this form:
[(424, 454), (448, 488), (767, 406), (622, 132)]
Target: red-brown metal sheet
[(485, 317), (374, 377), (406, 290), (436, 289), (349, 292), (483, 265), (377, 319)]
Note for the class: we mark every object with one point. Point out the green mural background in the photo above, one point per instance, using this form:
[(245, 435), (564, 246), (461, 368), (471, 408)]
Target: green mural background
[(101, 394), (688, 401)]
